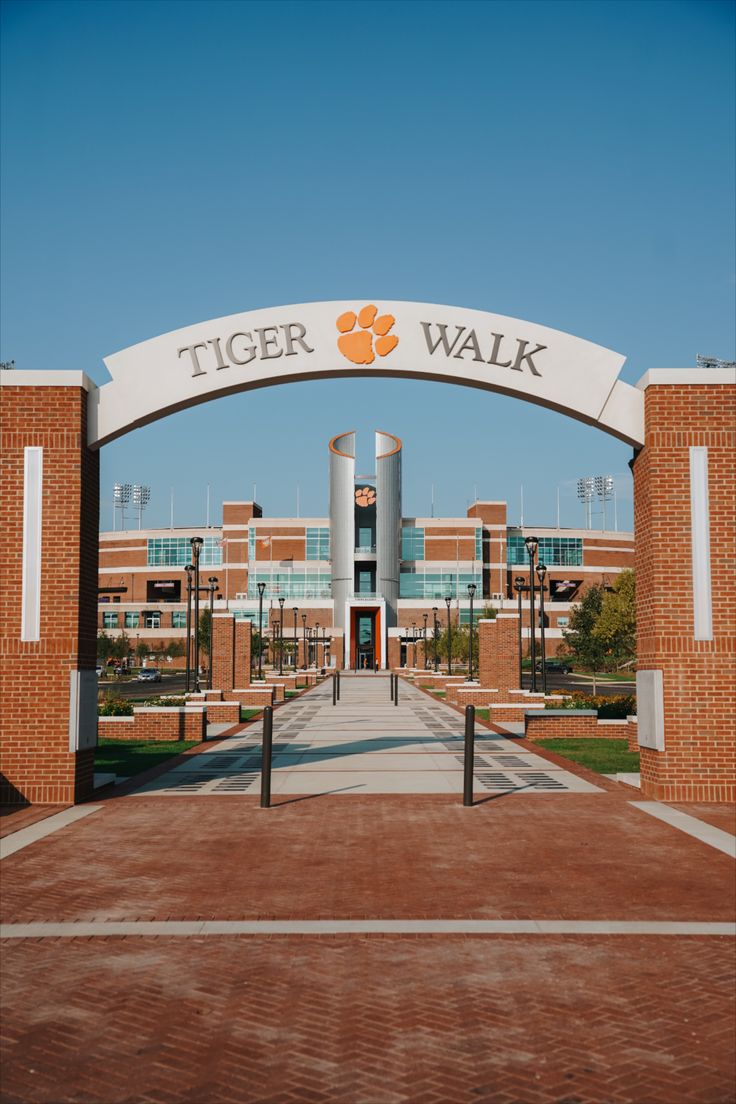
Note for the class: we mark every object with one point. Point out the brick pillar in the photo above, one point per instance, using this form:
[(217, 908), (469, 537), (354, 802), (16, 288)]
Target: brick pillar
[(223, 651), (498, 653), (49, 512), (394, 652), (241, 672), (686, 613)]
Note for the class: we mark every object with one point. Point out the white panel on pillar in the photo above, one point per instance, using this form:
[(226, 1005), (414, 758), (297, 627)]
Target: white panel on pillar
[(650, 709), (30, 623), (700, 534), (82, 710)]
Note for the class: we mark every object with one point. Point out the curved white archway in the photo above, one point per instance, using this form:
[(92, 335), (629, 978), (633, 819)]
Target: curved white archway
[(360, 338)]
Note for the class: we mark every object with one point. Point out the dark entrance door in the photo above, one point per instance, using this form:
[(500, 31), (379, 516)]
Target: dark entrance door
[(365, 641)]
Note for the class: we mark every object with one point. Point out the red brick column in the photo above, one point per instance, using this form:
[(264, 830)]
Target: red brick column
[(394, 652), (223, 651), (686, 644), (241, 672), (48, 706), (498, 648)]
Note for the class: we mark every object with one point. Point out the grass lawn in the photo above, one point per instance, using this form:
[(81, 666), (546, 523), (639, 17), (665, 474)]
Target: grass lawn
[(604, 756), (246, 714), (439, 693), (128, 757)]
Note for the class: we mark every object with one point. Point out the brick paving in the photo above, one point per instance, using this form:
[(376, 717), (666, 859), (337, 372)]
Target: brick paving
[(369, 1019), (15, 817), (721, 816)]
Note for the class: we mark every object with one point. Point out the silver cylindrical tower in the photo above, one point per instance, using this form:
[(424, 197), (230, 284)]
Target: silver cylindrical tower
[(342, 521), (388, 521)]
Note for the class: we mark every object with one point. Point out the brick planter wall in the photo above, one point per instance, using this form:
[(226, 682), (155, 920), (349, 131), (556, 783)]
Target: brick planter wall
[(460, 694), (252, 697), (498, 652), (553, 724), (223, 712), (116, 728), (632, 733), (157, 724)]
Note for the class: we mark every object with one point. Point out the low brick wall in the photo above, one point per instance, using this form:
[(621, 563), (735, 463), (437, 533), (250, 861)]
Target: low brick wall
[(469, 695), (221, 712), (561, 724), (157, 724), (632, 733), (509, 711), (252, 696)]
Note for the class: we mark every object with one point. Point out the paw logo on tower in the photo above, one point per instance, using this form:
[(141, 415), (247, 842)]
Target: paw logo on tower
[(358, 345)]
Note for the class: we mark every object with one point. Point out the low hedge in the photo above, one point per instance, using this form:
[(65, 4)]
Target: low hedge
[(616, 707), (115, 707)]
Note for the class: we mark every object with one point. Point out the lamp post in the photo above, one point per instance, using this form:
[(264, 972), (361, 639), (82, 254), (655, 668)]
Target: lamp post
[(212, 588), (295, 610), (316, 643), (304, 624), (448, 602), (519, 588), (531, 546), (541, 572), (281, 635), (435, 627), (189, 569), (196, 543), (261, 588), (424, 645), (414, 642), (471, 595)]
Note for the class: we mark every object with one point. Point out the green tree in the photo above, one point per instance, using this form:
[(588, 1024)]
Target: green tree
[(616, 623), (205, 631), (105, 646), (120, 646), (175, 648), (580, 639), (142, 649)]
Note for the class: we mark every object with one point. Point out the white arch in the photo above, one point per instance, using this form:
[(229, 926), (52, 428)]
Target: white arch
[(284, 344)]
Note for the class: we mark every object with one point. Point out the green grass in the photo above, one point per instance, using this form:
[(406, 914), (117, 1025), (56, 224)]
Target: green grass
[(129, 757), (291, 693), (246, 714), (604, 756), (439, 693)]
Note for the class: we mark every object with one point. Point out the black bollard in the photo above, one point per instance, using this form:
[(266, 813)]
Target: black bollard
[(391, 684), (396, 689), (266, 757), (469, 755), (338, 685), (334, 689)]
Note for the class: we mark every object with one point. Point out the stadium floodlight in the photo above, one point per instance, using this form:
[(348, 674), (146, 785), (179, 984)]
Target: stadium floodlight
[(586, 494), (604, 490), (120, 499), (141, 497)]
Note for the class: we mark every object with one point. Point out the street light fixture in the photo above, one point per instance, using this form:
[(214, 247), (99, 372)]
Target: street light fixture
[(448, 602), (189, 570), (424, 645), (541, 572), (436, 632), (261, 589), (519, 588), (471, 595), (414, 642), (295, 611), (304, 623), (196, 543), (281, 635), (212, 580), (532, 543), (316, 643)]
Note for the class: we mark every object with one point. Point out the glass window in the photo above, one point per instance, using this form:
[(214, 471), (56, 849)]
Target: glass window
[(412, 543), (479, 544), (437, 585), (318, 543), (366, 539), (177, 552), (291, 584), (152, 619), (179, 619), (553, 551), (109, 620), (563, 622), (132, 620)]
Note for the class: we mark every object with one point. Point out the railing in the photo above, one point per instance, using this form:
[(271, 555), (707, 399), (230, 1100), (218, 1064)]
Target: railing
[(365, 548)]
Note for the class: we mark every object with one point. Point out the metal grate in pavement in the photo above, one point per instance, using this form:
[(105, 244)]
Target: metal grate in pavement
[(502, 780)]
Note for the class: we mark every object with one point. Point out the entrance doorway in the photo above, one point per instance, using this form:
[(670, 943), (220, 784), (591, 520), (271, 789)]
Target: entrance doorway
[(365, 639)]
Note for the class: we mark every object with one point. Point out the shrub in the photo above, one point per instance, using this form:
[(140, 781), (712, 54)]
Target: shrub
[(170, 699), (115, 707), (615, 707)]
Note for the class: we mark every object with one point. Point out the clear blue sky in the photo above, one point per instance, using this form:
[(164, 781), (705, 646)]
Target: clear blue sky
[(567, 163)]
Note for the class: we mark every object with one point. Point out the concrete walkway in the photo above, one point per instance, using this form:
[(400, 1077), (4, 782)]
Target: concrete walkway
[(367, 745)]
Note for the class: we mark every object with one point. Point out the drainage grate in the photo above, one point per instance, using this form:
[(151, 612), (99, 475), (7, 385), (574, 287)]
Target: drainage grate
[(537, 780)]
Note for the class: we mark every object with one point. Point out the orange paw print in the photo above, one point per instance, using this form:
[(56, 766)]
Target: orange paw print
[(357, 345)]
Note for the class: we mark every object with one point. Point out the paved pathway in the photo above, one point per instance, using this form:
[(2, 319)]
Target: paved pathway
[(540, 948), (367, 745)]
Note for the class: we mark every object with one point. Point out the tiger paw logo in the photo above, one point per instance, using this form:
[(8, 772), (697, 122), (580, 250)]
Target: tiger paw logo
[(357, 345)]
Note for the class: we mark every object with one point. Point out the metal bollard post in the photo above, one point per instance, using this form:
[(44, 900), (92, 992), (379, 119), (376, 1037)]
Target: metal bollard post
[(396, 689), (469, 757), (334, 689), (338, 685), (266, 757), (391, 684)]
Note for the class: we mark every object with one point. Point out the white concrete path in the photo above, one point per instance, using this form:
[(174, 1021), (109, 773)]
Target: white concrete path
[(367, 745)]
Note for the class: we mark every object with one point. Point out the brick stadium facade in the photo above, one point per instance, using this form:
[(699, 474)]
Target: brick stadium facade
[(143, 584), (684, 513)]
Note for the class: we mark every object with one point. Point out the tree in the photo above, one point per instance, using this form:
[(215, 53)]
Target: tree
[(205, 631), (120, 647), (142, 649), (580, 639), (174, 648), (105, 646), (616, 624)]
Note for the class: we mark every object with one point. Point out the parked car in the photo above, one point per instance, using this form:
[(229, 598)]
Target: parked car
[(557, 665), (149, 674), (99, 670)]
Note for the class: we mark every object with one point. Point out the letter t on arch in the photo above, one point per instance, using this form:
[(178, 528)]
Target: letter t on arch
[(192, 350)]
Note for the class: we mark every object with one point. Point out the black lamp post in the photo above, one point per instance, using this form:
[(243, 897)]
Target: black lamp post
[(189, 570), (281, 636), (212, 588), (436, 632), (316, 643), (295, 610), (414, 641), (304, 624), (448, 600), (541, 572), (261, 588), (471, 595), (531, 547), (196, 543), (519, 588), (424, 638)]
